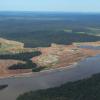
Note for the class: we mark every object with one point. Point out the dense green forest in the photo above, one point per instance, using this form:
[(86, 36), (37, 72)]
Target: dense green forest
[(41, 29), (46, 38), (28, 65), (87, 89), (23, 57), (20, 56)]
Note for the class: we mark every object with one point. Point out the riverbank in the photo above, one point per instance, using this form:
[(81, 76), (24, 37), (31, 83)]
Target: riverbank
[(57, 55), (87, 89), (54, 57), (49, 79), (34, 73)]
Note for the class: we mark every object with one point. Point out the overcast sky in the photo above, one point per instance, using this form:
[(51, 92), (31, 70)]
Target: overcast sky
[(51, 5)]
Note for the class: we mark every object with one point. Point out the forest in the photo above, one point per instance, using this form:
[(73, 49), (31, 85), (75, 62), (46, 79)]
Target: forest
[(37, 29), (22, 57), (87, 89)]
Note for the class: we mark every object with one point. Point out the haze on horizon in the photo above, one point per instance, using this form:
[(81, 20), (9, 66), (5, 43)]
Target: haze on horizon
[(51, 5)]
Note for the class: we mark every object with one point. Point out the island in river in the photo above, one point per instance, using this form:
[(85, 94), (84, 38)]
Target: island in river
[(15, 59)]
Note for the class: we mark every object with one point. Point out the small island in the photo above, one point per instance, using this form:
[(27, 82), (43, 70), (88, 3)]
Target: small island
[(3, 87)]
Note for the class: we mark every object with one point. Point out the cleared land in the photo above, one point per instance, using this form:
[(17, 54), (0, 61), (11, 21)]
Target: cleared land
[(63, 55), (4, 68), (15, 59)]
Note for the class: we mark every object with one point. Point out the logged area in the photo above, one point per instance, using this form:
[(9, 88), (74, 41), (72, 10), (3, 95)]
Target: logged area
[(57, 56), (16, 59), (34, 41)]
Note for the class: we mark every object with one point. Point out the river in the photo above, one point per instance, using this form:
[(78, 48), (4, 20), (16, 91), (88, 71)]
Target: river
[(47, 79)]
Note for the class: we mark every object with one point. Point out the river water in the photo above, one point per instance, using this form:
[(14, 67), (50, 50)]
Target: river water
[(48, 79), (90, 47)]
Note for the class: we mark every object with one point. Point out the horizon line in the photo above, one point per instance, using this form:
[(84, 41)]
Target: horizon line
[(48, 11)]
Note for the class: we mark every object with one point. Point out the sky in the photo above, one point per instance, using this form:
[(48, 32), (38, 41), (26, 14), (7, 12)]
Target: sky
[(51, 5)]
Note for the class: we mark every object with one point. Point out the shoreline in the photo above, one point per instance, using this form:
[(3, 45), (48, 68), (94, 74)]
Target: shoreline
[(29, 74), (17, 86), (43, 71)]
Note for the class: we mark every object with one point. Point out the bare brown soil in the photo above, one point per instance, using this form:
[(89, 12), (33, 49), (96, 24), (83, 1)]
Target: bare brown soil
[(64, 54), (4, 71), (53, 57)]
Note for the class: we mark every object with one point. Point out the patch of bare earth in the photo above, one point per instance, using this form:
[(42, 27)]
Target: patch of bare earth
[(4, 71), (63, 55), (54, 56)]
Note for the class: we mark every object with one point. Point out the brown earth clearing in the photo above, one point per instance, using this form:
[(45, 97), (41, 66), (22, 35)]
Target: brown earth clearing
[(55, 56), (4, 65), (64, 55)]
